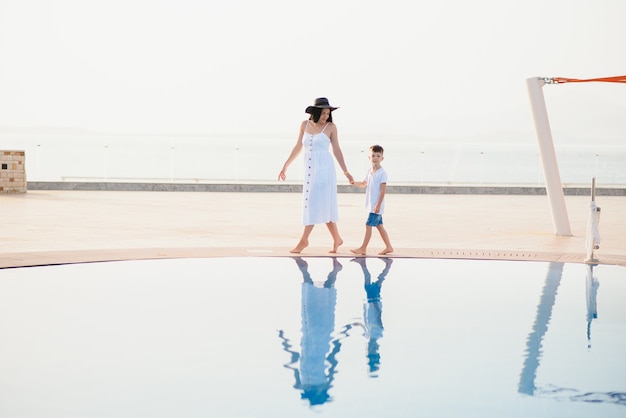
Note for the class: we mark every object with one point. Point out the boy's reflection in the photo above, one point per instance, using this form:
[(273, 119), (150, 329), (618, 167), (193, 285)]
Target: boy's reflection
[(591, 291), (318, 348), (372, 312)]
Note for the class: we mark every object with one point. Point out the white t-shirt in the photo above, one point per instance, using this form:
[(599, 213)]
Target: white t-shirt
[(372, 192)]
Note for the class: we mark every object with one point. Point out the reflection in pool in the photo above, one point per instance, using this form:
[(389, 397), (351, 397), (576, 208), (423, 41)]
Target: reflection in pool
[(540, 327), (319, 349), (304, 336)]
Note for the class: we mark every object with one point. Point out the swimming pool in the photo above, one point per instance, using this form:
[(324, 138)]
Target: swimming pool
[(331, 337)]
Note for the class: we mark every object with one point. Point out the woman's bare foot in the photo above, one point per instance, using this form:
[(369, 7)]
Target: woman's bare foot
[(336, 245), (387, 250), (359, 260), (358, 251), (337, 267), (301, 246)]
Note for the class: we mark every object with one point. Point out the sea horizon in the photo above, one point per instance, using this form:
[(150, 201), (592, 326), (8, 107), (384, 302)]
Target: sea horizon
[(73, 155)]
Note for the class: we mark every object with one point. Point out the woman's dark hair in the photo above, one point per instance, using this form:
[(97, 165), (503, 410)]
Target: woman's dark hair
[(317, 112)]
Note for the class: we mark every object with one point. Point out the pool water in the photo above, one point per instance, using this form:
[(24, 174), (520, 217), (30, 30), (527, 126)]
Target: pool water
[(298, 337)]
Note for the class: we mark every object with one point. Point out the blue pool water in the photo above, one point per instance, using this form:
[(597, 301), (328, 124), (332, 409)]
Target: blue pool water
[(298, 337)]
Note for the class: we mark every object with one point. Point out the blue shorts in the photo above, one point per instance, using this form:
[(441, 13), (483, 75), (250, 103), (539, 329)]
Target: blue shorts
[(374, 219)]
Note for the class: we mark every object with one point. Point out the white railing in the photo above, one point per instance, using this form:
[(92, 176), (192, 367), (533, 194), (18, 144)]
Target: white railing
[(213, 159)]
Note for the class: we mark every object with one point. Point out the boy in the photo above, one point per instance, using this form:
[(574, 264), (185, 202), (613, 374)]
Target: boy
[(376, 183)]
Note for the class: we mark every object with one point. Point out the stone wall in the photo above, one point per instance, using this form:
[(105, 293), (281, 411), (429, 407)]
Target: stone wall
[(12, 171)]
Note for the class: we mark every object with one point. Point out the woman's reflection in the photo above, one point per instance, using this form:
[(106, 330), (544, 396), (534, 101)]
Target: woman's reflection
[(316, 369), (372, 312)]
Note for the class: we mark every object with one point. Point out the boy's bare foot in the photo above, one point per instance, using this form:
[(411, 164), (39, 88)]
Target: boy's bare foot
[(336, 245), (387, 250), (359, 251), (301, 246)]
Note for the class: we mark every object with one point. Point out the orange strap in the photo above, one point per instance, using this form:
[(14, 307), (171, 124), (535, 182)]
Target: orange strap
[(616, 79)]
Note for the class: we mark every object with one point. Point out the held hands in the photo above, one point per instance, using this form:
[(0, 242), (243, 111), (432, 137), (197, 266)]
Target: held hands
[(349, 176)]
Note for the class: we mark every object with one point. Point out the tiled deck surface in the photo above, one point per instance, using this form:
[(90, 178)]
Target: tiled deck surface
[(54, 227)]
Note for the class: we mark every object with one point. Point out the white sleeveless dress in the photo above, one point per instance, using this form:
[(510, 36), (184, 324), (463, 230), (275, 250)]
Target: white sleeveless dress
[(319, 188)]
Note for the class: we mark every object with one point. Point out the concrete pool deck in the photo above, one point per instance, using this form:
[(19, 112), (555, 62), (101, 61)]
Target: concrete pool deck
[(44, 227)]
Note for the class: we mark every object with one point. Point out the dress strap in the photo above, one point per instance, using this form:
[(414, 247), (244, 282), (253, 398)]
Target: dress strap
[(324, 128)]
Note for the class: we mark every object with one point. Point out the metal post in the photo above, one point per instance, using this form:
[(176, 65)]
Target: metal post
[(592, 238), (551, 174), (593, 189)]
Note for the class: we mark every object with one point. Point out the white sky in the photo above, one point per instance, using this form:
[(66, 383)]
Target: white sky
[(431, 69)]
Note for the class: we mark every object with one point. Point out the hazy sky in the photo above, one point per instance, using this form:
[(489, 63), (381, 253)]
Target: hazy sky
[(440, 69)]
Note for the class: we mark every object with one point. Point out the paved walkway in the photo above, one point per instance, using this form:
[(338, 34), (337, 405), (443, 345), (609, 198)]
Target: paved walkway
[(45, 227)]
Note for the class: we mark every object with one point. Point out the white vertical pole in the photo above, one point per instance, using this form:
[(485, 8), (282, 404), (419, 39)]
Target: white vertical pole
[(422, 167), (362, 161), (551, 174), (171, 163), (237, 163), (38, 162), (482, 157), (106, 163)]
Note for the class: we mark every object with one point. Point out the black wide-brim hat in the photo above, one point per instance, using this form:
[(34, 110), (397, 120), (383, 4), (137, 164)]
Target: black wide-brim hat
[(321, 103)]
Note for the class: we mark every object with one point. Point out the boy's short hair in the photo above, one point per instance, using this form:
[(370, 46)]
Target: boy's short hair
[(377, 148)]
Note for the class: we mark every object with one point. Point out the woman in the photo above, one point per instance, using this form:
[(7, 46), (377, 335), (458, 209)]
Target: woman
[(318, 135)]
